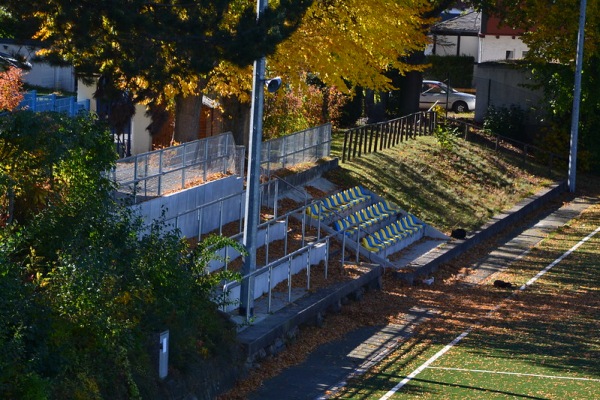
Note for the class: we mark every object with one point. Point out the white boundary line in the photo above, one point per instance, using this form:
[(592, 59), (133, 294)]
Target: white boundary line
[(485, 371), (463, 335)]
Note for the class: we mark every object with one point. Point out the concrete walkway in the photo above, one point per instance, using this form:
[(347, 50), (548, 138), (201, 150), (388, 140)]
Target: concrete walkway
[(328, 368)]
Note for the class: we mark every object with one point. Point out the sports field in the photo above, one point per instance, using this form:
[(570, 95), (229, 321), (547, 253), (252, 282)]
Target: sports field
[(537, 340)]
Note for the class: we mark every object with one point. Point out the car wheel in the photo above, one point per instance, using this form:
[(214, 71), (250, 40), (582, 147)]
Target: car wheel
[(460, 107)]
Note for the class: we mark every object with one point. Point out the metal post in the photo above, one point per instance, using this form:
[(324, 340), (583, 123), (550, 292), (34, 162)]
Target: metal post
[(447, 94), (252, 210), (576, 99), (163, 355), (183, 166)]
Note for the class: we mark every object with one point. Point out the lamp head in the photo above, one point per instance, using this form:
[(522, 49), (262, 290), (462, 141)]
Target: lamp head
[(273, 85)]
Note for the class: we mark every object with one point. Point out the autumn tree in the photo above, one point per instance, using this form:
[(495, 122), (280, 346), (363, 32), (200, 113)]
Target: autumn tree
[(160, 51), (551, 30), (11, 85), (84, 285), (342, 45)]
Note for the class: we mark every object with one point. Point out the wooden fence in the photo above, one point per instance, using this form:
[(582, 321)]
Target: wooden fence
[(376, 137)]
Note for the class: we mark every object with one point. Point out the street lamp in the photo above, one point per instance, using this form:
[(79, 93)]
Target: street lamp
[(576, 99), (252, 201)]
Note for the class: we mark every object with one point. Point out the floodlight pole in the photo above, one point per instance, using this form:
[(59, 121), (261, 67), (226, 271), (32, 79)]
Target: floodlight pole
[(576, 99), (252, 200)]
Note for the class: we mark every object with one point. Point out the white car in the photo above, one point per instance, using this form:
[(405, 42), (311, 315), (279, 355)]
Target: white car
[(433, 92)]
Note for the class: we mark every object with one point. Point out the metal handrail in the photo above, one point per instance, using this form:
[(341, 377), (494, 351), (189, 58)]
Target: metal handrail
[(269, 269)]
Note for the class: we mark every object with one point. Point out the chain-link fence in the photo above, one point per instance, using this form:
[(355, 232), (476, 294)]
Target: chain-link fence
[(174, 168), (301, 147)]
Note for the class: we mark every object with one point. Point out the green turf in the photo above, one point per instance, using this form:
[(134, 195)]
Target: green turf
[(545, 337)]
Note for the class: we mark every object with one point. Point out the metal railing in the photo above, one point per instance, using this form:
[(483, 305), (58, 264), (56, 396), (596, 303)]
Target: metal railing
[(175, 168), (269, 268), (289, 257), (308, 145)]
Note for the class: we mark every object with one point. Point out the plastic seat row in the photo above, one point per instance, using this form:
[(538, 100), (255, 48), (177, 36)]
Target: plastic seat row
[(390, 234), (366, 217), (338, 202)]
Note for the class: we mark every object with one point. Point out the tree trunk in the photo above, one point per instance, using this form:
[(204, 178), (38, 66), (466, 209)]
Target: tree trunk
[(411, 92), (374, 109), (236, 119), (187, 118)]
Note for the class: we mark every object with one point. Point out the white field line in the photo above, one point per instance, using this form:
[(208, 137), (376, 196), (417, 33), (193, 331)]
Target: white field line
[(463, 335), (485, 371)]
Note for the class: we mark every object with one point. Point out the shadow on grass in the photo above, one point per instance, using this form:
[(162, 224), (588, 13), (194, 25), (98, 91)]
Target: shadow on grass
[(459, 187)]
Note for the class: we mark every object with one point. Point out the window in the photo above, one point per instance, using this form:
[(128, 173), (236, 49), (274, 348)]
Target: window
[(510, 54), (432, 88)]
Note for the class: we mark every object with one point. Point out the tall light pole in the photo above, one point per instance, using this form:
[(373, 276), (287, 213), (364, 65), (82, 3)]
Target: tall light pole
[(576, 98), (252, 201)]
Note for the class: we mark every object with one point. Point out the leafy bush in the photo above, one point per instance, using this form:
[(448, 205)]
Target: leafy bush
[(557, 81), (509, 122), (11, 84), (446, 136), (294, 109), (84, 286)]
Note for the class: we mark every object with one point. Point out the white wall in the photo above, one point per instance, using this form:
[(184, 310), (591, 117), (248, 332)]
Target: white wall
[(85, 92), (484, 49), (494, 48), (42, 74), (141, 141)]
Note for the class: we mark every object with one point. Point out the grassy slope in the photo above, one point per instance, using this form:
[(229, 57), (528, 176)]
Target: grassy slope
[(461, 187)]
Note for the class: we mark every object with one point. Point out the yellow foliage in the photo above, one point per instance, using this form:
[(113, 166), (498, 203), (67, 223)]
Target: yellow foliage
[(347, 41), (231, 80), (355, 41)]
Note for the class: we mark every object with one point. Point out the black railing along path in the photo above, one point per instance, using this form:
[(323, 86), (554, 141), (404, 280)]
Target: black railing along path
[(382, 135)]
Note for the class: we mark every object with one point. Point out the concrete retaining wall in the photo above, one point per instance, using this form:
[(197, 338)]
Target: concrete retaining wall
[(178, 208), (494, 226), (270, 233), (305, 311)]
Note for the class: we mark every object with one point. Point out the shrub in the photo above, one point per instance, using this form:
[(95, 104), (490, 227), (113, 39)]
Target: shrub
[(294, 109), (446, 136), (459, 69), (509, 122), (84, 286)]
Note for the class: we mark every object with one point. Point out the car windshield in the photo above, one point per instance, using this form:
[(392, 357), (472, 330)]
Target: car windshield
[(446, 87), (436, 87)]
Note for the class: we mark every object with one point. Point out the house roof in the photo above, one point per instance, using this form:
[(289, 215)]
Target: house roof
[(468, 24)]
